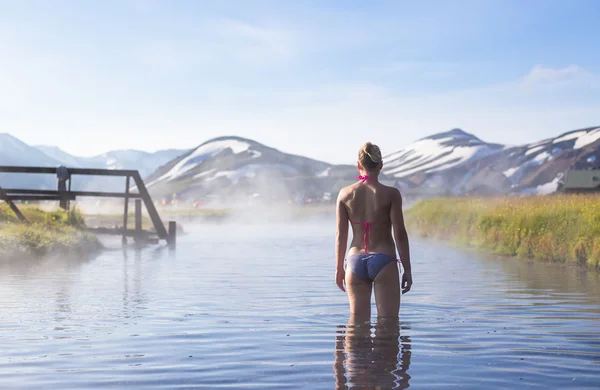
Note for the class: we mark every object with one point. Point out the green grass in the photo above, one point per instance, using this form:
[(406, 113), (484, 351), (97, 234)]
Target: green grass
[(562, 228), (56, 232)]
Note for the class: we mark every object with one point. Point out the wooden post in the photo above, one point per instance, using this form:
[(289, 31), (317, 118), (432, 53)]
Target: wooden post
[(156, 221), (69, 201), (138, 218), (12, 206), (172, 234), (126, 210)]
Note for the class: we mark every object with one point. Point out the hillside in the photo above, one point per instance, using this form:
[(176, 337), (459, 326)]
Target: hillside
[(237, 169), (458, 163), (15, 152), (231, 168), (145, 162)]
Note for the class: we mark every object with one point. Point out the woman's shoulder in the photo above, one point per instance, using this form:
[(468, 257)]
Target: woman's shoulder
[(390, 188)]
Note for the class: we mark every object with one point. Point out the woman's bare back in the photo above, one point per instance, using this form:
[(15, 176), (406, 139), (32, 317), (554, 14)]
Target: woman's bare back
[(368, 207)]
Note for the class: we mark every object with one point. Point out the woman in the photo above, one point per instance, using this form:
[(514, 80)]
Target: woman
[(372, 209)]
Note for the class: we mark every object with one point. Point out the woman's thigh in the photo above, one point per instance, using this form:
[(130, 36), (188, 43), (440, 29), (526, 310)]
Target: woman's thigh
[(359, 293), (387, 291)]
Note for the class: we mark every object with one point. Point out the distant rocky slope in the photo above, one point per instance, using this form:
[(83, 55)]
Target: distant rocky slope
[(238, 169), (458, 163)]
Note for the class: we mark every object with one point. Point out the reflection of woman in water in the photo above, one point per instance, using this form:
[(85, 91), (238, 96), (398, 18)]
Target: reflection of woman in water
[(372, 209), (372, 362)]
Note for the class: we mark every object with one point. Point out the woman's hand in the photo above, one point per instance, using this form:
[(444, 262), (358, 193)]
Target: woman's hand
[(340, 276), (406, 282)]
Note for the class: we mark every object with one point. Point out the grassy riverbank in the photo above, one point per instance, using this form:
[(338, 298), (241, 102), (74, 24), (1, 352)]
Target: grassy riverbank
[(563, 228), (47, 233)]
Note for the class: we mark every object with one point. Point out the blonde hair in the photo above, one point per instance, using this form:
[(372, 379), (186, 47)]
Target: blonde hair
[(369, 156)]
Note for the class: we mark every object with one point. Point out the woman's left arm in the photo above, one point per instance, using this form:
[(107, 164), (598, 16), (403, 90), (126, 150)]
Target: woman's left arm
[(341, 241)]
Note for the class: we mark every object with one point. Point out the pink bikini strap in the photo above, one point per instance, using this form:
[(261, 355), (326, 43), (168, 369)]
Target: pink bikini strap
[(368, 234), (363, 178)]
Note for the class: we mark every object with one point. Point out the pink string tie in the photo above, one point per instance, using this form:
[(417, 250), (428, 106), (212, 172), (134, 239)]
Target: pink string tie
[(363, 178)]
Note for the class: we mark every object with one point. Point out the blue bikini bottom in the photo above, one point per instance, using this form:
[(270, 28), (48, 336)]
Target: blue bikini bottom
[(367, 265)]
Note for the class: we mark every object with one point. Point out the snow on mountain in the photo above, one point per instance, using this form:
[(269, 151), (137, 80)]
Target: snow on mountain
[(234, 157), (237, 166), (538, 167), (449, 163), (452, 162), (15, 152), (436, 153), (201, 153), (144, 162)]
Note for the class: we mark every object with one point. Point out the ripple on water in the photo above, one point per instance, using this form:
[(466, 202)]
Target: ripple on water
[(253, 313)]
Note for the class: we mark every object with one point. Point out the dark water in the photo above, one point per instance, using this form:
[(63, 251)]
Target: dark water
[(244, 307)]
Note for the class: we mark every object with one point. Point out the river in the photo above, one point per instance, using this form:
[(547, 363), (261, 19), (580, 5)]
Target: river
[(243, 306)]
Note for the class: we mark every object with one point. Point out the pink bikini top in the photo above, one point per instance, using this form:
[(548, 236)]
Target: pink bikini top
[(368, 232)]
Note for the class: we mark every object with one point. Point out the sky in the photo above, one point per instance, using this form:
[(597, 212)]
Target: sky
[(316, 78)]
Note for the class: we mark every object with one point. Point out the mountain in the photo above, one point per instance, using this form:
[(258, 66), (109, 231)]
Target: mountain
[(144, 162), (15, 152), (458, 163), (437, 153), (236, 168), (539, 167), (60, 156)]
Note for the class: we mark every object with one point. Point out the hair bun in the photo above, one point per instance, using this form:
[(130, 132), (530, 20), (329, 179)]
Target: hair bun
[(373, 152), (369, 155)]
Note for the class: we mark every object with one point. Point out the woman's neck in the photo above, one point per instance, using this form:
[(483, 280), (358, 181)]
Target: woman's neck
[(368, 176)]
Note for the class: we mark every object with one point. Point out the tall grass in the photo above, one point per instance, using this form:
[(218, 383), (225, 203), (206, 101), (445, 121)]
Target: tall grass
[(47, 233), (564, 228)]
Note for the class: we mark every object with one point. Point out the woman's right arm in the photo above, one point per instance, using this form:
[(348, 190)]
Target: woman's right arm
[(401, 239)]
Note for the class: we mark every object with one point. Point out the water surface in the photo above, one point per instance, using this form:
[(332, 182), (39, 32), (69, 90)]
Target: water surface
[(256, 306)]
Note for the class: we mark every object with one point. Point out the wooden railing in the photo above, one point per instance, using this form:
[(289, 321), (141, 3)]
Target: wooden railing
[(64, 195)]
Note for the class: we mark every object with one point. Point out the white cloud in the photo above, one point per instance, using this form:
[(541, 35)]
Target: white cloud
[(570, 75), (221, 42)]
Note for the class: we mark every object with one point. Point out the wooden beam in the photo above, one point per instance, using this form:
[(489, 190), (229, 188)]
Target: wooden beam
[(156, 221), (126, 209), (172, 234), (138, 215), (98, 194), (72, 171), (12, 206), (33, 198)]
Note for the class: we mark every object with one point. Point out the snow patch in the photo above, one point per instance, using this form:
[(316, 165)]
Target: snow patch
[(541, 158), (205, 173), (570, 136), (534, 150), (510, 172), (325, 173), (202, 153), (587, 139), (548, 188), (431, 156)]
